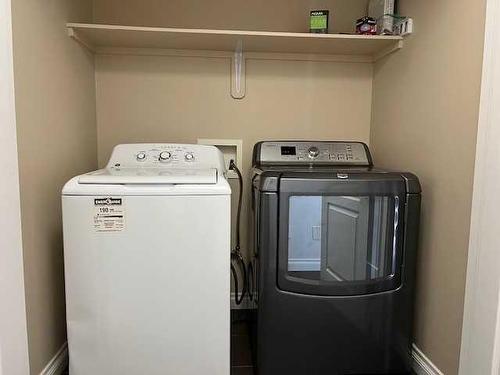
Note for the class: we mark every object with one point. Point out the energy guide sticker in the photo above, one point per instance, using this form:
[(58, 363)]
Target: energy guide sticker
[(109, 214)]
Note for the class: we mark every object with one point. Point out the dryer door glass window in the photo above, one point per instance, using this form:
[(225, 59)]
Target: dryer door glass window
[(341, 244)]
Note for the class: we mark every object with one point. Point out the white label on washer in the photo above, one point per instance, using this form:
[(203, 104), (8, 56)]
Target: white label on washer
[(109, 214)]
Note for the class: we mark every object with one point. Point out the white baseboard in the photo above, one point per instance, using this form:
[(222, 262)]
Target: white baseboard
[(58, 363), (423, 365)]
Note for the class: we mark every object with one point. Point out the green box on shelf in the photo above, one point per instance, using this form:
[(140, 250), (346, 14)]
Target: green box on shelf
[(318, 22)]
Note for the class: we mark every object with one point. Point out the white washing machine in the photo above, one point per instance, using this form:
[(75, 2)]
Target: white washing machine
[(146, 254)]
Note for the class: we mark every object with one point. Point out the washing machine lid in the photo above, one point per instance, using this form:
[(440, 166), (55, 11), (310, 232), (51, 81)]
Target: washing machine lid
[(149, 176)]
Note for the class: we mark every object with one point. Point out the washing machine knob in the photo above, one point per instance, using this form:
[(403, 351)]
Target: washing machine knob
[(313, 152), (165, 155), (141, 156), (189, 156)]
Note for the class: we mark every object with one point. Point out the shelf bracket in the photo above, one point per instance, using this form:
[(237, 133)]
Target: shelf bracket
[(391, 49), (238, 74), (74, 34)]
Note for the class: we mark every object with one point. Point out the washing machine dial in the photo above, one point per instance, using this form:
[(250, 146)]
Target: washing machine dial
[(141, 156), (164, 156), (189, 156), (313, 152)]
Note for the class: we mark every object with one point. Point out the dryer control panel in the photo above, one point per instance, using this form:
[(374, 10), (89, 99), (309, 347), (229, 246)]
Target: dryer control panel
[(312, 152)]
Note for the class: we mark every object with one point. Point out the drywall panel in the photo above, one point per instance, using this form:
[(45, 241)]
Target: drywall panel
[(276, 15), (425, 112), (13, 331), (55, 109), (181, 99)]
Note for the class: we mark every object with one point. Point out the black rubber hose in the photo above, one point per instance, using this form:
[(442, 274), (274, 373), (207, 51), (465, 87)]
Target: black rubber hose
[(235, 278), (233, 167), (238, 297), (236, 253)]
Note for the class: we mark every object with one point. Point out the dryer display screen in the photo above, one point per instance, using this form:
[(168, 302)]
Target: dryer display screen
[(288, 150)]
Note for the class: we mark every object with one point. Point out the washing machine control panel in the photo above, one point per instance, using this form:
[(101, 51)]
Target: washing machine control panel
[(164, 155), (314, 152)]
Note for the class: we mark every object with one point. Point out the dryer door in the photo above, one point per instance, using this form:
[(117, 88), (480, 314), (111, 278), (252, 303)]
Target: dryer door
[(340, 235)]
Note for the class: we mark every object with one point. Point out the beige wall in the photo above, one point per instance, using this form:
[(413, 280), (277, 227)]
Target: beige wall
[(425, 112), (55, 106), (276, 15)]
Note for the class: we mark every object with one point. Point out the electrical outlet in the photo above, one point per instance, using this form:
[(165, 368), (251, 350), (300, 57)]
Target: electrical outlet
[(232, 149)]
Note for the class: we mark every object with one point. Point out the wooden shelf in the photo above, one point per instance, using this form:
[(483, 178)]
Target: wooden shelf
[(368, 48), (234, 44)]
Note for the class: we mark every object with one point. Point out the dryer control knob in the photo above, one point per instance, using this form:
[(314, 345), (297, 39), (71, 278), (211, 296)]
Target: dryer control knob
[(313, 152), (189, 156), (164, 156), (141, 156)]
